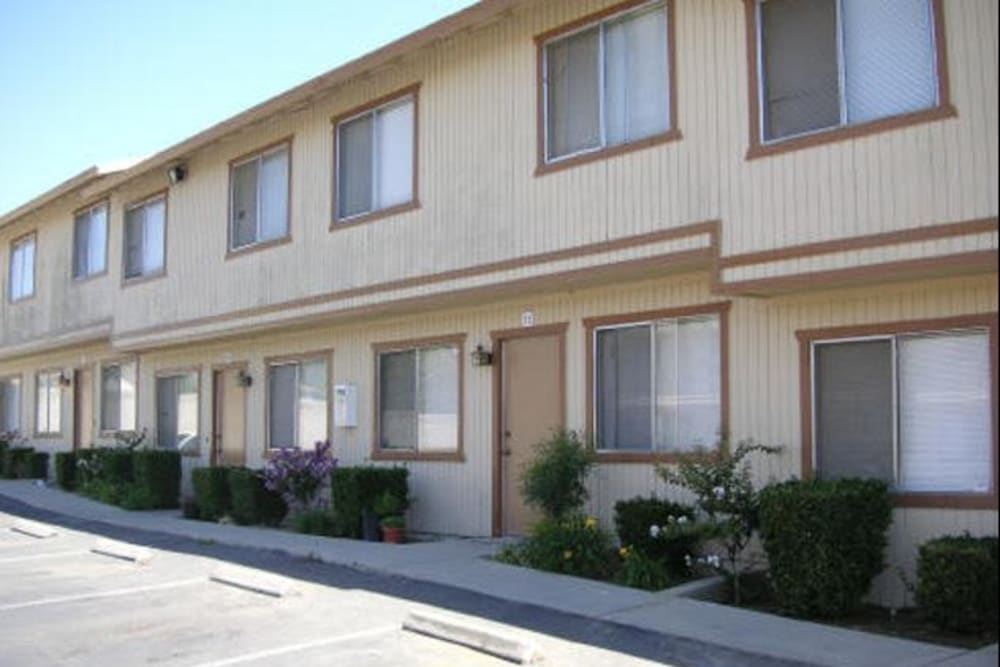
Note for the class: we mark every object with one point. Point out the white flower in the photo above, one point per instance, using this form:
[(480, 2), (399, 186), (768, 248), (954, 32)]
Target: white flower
[(671, 519), (654, 531), (682, 520), (713, 560), (687, 559), (720, 492)]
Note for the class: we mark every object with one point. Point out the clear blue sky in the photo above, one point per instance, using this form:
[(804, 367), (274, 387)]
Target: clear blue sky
[(86, 82)]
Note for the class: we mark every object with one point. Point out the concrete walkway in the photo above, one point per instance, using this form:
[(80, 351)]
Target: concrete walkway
[(465, 564)]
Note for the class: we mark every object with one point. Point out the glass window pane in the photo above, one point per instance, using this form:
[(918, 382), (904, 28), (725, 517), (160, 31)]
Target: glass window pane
[(624, 402), (111, 400), (41, 403), (666, 409), (636, 77), (438, 399), (97, 239), (281, 409), (354, 167), (573, 93), (854, 410), (17, 272), (153, 236), (166, 412), (394, 138), (134, 242), (945, 415), (244, 204), (312, 408), (801, 87), (81, 245), (699, 374), (397, 400), (129, 381), (274, 195), (28, 268), (889, 58), (10, 405)]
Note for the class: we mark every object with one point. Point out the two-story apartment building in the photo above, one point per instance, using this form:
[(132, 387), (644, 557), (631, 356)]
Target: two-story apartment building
[(653, 221)]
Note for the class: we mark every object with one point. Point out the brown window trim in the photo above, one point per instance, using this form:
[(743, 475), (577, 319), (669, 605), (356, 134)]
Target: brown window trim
[(232, 252), (177, 372), (543, 166), (142, 201), (807, 337), (377, 453), (79, 280), (105, 363), (413, 90), (759, 148), (48, 435), (590, 324), (33, 234), (326, 354)]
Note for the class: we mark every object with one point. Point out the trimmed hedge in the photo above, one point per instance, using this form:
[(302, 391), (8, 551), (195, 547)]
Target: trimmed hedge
[(17, 462), (66, 470), (39, 465), (158, 473), (353, 490), (250, 501), (633, 518), (824, 541), (211, 492), (957, 582)]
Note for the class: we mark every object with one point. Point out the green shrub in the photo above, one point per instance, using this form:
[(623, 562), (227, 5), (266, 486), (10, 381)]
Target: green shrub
[(211, 491), (251, 502), (957, 582), (354, 490), (575, 545), (86, 461), (824, 541), (670, 543), (554, 480), (113, 465), (641, 571), (39, 465), (66, 470), (135, 497), (157, 474), (315, 522), (17, 462)]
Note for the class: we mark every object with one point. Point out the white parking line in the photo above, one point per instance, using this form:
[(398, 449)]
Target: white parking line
[(292, 648), (56, 554), (102, 594)]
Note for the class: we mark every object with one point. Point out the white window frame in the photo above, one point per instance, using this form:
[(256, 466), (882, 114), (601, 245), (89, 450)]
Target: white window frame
[(144, 273), (650, 324), (19, 247), (259, 159), (373, 113), (88, 213), (893, 339), (48, 379), (841, 78), (297, 363), (653, 5)]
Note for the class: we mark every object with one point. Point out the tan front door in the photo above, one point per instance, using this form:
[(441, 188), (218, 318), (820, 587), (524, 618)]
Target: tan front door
[(83, 408), (228, 418), (532, 408)]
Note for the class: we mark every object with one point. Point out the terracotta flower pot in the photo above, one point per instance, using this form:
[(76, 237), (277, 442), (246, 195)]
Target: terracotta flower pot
[(393, 535)]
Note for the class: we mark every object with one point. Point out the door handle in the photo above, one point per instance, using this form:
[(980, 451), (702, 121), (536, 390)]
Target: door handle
[(506, 434), (506, 451)]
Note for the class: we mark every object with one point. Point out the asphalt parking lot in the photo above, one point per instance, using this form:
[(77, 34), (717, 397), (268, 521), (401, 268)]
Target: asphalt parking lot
[(63, 604)]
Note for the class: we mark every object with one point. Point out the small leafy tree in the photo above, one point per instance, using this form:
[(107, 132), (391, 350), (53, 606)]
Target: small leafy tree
[(554, 481), (298, 475), (130, 439), (725, 499)]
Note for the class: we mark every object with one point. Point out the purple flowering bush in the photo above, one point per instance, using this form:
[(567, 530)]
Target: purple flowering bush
[(298, 475)]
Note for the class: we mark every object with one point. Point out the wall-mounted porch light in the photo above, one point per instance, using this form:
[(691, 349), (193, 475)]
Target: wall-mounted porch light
[(244, 379), (481, 356), (64, 380)]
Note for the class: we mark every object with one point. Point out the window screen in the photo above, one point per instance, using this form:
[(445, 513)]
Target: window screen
[(22, 269), (145, 228), (259, 198), (48, 404), (118, 397), (297, 404), (90, 235), (177, 412), (10, 405), (418, 399)]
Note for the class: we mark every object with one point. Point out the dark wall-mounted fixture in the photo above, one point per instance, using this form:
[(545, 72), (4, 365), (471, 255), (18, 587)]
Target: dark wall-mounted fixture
[(65, 380), (481, 356), (244, 379), (176, 173)]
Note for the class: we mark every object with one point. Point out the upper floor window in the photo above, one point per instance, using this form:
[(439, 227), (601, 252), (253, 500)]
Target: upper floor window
[(90, 241), (48, 403), (22, 268), (607, 83), (297, 403), (118, 396), (830, 63), (259, 192), (10, 405), (375, 168), (145, 229)]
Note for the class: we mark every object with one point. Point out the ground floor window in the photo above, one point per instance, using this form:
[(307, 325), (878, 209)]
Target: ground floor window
[(913, 409), (10, 405), (297, 403), (177, 412), (419, 398), (118, 396), (657, 384), (48, 403)]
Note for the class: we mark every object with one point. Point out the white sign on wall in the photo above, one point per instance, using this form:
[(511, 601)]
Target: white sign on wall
[(528, 318)]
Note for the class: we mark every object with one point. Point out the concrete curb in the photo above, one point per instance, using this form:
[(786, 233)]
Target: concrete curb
[(122, 550), (33, 529), (252, 580), (478, 639)]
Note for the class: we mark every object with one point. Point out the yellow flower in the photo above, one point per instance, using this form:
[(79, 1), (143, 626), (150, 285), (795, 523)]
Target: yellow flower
[(623, 552), (567, 554), (591, 522)]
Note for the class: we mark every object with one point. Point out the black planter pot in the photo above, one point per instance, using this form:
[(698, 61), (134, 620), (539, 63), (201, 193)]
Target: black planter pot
[(369, 526)]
